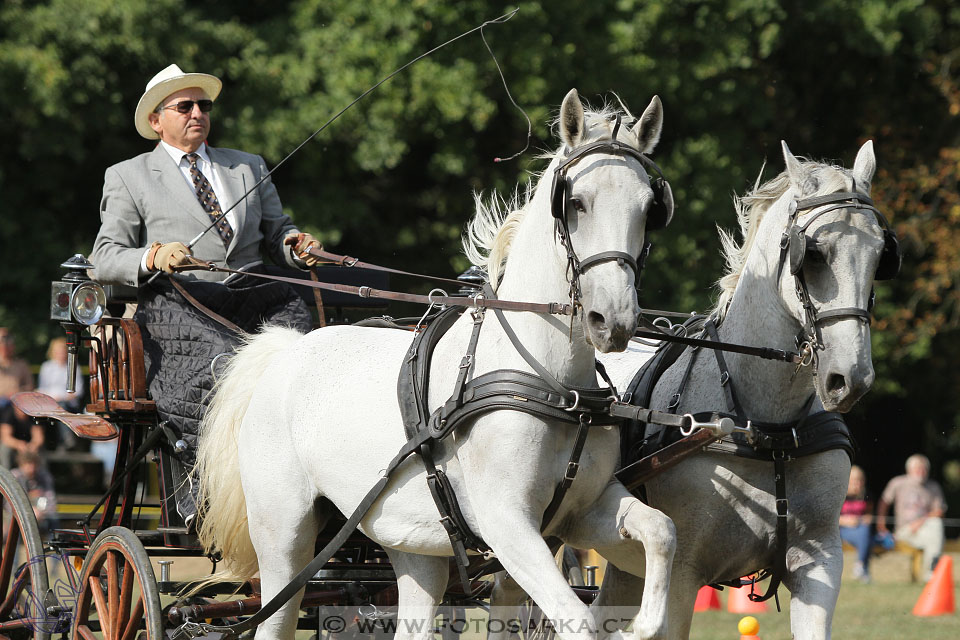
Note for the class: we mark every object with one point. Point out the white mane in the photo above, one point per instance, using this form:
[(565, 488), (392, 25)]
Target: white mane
[(489, 234), (818, 179)]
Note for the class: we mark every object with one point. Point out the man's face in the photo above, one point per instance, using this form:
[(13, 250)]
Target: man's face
[(185, 131)]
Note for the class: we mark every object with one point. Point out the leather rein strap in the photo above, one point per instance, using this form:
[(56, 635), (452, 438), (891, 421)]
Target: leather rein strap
[(478, 301)]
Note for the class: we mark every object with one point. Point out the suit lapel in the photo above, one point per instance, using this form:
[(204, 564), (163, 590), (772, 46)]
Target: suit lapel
[(171, 180), (234, 186)]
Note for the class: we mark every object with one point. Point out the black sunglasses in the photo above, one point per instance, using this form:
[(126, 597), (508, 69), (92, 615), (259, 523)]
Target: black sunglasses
[(186, 106)]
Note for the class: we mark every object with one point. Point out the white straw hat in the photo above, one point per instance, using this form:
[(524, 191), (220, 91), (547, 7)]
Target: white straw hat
[(170, 80)]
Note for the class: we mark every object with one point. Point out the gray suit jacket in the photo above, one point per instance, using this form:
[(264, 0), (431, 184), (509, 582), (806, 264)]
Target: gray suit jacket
[(146, 199)]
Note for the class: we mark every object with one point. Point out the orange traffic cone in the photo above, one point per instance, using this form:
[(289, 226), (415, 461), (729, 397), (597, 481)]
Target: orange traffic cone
[(707, 599), (738, 602), (937, 596)]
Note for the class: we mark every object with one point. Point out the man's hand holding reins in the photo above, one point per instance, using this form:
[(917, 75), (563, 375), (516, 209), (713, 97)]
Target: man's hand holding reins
[(300, 244), (166, 257)]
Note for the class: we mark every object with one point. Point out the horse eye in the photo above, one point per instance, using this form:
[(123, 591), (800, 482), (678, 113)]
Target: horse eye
[(578, 205)]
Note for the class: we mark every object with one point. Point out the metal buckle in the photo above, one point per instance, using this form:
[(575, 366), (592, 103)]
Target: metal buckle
[(724, 378), (576, 401), (364, 291), (467, 361), (674, 401), (796, 438), (571, 472), (783, 506)]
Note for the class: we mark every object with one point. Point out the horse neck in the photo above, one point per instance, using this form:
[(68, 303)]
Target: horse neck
[(768, 390), (536, 272)]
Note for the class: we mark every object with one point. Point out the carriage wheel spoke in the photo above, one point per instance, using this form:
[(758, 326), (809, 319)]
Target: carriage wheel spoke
[(99, 601), (87, 634), (113, 592), (126, 594), (134, 623)]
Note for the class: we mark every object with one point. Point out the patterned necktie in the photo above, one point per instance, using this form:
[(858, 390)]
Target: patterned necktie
[(208, 199)]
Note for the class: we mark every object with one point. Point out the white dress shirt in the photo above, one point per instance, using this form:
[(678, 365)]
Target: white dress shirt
[(209, 171)]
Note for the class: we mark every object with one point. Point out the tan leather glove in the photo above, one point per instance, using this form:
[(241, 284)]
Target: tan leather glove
[(164, 257), (300, 244)]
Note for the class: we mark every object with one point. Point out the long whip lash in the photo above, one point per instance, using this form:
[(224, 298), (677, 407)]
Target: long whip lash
[(313, 135)]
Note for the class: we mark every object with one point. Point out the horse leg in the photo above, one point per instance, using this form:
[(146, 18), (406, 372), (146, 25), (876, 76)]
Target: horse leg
[(283, 534), (505, 601), (521, 550), (635, 538), (421, 582), (813, 577)]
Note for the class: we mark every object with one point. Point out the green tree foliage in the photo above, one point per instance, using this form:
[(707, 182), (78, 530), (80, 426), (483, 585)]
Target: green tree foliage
[(391, 180)]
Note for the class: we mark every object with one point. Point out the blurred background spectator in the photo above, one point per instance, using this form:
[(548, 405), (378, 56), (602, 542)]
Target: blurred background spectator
[(18, 434), (14, 373), (856, 522), (38, 483), (918, 507)]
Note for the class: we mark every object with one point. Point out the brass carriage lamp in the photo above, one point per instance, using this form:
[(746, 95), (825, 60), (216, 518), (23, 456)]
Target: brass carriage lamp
[(76, 302)]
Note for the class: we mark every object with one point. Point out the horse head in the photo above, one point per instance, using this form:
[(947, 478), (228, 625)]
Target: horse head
[(833, 243), (601, 201)]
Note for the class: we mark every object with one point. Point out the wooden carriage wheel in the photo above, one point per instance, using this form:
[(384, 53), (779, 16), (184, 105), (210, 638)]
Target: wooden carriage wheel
[(118, 596), (22, 589)]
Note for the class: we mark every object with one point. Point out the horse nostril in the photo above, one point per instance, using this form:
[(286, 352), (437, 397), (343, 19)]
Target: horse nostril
[(836, 384), (597, 321)]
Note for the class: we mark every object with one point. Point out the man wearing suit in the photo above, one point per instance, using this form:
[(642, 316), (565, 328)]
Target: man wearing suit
[(151, 208), (154, 212)]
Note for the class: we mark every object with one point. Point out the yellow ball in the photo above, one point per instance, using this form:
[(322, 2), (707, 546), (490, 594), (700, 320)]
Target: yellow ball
[(748, 626)]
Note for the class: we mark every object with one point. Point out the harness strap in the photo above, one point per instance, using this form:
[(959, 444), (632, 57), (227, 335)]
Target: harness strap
[(204, 309), (733, 404), (675, 399), (547, 377), (573, 466), (451, 517), (780, 555)]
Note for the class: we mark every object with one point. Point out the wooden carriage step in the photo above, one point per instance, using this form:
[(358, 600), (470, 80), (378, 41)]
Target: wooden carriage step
[(39, 405)]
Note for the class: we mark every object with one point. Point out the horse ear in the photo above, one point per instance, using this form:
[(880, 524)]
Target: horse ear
[(865, 165), (572, 124), (649, 126), (791, 162)]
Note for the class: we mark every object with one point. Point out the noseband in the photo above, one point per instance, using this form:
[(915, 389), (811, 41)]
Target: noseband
[(576, 266), (794, 243)]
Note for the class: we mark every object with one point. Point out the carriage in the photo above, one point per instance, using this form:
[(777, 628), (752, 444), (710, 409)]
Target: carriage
[(117, 595), (106, 583)]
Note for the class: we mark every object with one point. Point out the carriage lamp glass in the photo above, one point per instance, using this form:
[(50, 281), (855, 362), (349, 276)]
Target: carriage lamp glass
[(60, 301), (87, 303)]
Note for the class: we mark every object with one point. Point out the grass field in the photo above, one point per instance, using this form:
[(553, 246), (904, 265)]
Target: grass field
[(877, 611)]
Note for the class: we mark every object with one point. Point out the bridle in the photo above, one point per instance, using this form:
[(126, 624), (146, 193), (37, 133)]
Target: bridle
[(660, 212), (794, 244)]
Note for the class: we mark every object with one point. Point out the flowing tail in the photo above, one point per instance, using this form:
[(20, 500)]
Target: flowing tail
[(222, 504)]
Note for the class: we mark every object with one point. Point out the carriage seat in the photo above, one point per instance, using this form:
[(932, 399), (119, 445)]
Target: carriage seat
[(40, 406)]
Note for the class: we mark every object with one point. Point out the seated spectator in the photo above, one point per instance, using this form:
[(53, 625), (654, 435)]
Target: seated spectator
[(53, 382), (38, 483), (15, 373), (18, 433), (918, 507), (856, 520)]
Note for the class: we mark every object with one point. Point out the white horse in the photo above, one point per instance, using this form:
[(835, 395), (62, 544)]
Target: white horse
[(722, 505), (298, 418)]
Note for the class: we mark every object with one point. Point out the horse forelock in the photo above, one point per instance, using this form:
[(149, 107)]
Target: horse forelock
[(817, 179), (490, 233)]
